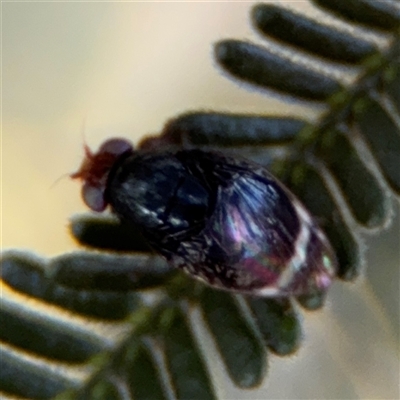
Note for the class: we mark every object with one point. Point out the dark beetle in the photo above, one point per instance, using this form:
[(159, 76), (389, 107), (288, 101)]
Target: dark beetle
[(223, 220)]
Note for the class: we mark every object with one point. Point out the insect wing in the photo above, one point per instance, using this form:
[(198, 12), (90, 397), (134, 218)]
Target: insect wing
[(253, 233), (259, 238)]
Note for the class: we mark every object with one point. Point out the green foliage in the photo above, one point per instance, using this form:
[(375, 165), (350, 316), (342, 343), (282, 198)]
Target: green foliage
[(343, 168)]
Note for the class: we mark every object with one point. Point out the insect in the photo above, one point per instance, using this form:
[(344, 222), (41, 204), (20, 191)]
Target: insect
[(223, 220)]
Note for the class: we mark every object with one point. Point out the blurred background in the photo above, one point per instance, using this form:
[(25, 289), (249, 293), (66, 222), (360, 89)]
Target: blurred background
[(90, 71)]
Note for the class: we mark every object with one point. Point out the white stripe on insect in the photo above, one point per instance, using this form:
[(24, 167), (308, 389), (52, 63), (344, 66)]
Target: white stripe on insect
[(300, 247)]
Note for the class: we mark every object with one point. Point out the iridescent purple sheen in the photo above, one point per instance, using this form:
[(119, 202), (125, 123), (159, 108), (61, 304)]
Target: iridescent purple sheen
[(250, 247), (317, 270)]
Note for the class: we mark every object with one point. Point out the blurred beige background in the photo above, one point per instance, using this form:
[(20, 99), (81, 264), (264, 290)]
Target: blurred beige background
[(125, 68)]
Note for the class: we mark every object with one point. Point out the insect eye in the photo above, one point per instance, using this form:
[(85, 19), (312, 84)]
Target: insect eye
[(115, 146), (93, 197)]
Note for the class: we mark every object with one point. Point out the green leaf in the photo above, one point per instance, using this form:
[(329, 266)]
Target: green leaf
[(392, 84), (383, 136), (142, 375), (376, 14), (107, 234), (48, 337), (188, 372), (278, 323), (365, 196), (32, 277), (111, 272), (237, 342), (22, 376), (260, 66), (310, 35), (104, 389), (202, 129)]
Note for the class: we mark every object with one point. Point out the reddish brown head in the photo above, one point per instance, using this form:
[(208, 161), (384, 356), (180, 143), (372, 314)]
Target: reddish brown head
[(95, 169)]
